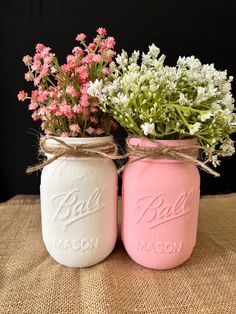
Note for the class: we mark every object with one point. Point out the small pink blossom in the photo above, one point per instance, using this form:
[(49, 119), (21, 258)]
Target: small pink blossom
[(77, 109), (43, 125), (47, 132), (110, 42), (88, 59), (91, 46), (70, 59), (100, 131), (97, 58), (34, 94), (36, 66), (53, 70), (94, 119), (22, 95), (80, 37), (105, 71), (90, 130), (96, 39), (45, 52), (101, 31), (39, 47), (83, 72), (48, 59), (44, 71), (78, 51), (42, 97), (66, 110), (94, 109), (27, 60), (71, 90), (34, 116), (64, 134), (84, 101), (75, 127), (29, 76), (37, 80), (33, 105)]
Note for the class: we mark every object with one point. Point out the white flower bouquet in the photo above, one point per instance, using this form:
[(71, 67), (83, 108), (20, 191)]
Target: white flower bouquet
[(149, 98)]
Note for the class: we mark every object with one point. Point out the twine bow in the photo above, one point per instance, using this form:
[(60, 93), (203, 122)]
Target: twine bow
[(188, 153), (102, 149), (107, 149)]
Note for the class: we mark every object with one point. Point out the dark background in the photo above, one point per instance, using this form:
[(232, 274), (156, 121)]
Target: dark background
[(205, 29)]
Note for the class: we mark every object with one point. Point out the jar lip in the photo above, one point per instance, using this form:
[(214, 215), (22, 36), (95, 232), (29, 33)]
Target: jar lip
[(143, 141), (81, 140)]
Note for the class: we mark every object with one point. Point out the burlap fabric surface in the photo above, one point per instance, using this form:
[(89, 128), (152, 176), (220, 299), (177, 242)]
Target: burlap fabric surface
[(31, 282)]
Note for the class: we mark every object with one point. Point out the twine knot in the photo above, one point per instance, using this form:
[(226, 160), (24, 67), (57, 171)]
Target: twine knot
[(101, 149)]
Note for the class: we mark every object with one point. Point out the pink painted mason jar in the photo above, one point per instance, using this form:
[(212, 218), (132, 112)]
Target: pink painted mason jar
[(160, 208)]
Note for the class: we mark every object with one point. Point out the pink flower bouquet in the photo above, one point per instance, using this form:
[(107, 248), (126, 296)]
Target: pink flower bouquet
[(60, 99)]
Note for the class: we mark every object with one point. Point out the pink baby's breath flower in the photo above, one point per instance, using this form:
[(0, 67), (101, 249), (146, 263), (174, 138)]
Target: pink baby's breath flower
[(66, 110), (75, 127), (94, 119), (96, 39), (88, 59), (48, 59), (29, 76), (34, 94), (102, 47), (66, 68), (42, 96), (27, 60), (43, 125), (105, 71), (53, 70), (77, 108), (70, 59), (101, 31), (45, 52), (37, 57), (47, 132), (64, 134), (91, 46), (84, 101), (36, 66), (80, 37), (110, 42), (97, 58), (71, 90), (93, 109), (39, 47), (108, 55), (22, 95), (100, 131), (90, 130), (34, 116), (78, 51), (83, 72), (33, 105), (44, 71)]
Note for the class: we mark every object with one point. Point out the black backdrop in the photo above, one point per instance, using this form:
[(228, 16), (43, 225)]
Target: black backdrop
[(205, 29)]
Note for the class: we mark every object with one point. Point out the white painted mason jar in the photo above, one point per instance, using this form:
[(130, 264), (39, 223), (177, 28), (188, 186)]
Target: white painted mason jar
[(79, 207)]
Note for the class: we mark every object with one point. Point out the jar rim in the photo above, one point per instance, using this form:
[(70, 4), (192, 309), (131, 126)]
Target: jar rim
[(80, 140)]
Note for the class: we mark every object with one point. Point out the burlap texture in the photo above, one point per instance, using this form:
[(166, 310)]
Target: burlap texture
[(31, 282)]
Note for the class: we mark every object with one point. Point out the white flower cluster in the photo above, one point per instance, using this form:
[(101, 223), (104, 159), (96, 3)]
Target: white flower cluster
[(161, 102)]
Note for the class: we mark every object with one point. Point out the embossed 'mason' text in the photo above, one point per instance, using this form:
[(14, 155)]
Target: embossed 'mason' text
[(76, 244), (161, 248), (155, 210)]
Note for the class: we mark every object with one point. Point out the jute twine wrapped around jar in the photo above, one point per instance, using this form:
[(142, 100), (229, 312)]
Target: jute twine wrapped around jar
[(105, 149)]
